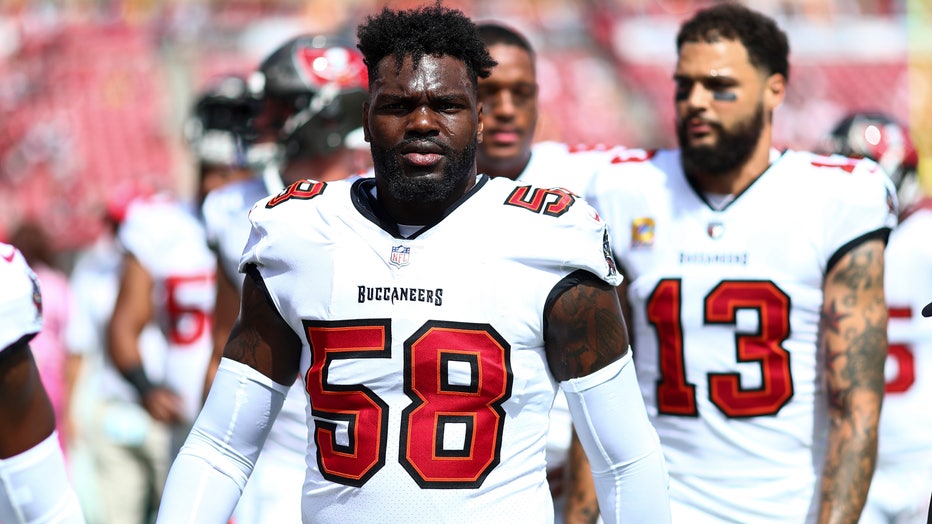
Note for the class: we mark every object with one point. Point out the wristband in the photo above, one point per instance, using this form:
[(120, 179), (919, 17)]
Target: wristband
[(137, 377)]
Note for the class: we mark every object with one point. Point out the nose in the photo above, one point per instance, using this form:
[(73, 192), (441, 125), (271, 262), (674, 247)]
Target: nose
[(697, 97), (423, 121), (500, 105)]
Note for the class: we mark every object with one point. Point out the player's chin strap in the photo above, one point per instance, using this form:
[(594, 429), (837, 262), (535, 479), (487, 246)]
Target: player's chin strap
[(211, 470), (621, 444)]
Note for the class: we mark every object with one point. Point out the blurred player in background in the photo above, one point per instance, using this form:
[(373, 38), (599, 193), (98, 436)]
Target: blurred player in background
[(509, 116), (34, 486), (311, 90), (509, 119), (127, 450), (899, 492), (755, 279), (169, 272)]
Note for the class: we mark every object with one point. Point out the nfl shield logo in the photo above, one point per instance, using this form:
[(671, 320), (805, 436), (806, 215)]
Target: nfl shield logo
[(401, 255), (715, 230)]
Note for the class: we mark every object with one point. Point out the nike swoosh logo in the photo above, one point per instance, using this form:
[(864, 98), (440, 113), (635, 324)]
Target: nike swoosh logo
[(9, 258)]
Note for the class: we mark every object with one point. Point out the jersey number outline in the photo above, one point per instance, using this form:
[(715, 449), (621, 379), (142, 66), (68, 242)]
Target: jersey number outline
[(471, 408), (904, 356), (300, 190), (551, 202), (677, 396)]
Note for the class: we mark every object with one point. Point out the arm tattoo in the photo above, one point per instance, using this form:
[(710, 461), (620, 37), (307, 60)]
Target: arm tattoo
[(242, 346), (854, 340), (585, 330)]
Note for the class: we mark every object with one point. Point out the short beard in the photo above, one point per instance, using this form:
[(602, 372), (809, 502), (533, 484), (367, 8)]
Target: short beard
[(459, 165), (732, 150)]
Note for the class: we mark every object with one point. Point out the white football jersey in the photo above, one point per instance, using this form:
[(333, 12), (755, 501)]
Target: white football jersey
[(555, 164), (169, 241), (725, 313), (20, 299), (226, 221), (905, 421), (423, 356)]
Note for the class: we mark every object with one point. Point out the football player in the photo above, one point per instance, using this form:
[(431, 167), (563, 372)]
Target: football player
[(430, 347), (168, 273), (755, 281)]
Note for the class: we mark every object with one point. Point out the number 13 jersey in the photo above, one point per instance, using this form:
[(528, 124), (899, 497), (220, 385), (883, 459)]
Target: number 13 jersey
[(423, 357), (725, 314)]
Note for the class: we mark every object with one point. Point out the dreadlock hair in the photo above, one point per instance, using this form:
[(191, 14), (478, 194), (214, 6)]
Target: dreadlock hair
[(766, 44), (493, 33), (431, 30)]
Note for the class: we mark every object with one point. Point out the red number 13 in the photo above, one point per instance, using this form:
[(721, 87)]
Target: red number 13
[(676, 396)]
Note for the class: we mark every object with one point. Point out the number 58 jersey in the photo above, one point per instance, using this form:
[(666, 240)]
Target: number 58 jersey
[(725, 307), (423, 357)]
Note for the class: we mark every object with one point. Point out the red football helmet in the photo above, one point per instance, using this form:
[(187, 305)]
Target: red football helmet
[(881, 138)]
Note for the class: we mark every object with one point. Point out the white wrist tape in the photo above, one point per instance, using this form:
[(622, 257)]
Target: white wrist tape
[(211, 470), (620, 443)]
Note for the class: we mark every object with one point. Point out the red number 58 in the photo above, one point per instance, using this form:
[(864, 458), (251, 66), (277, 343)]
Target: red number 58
[(473, 406)]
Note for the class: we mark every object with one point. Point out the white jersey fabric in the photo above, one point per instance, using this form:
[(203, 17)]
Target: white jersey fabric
[(429, 394), (95, 282), (169, 241), (556, 164), (725, 314), (20, 301), (902, 481)]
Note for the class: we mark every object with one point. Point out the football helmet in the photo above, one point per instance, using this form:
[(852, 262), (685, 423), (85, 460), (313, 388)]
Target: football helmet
[(879, 137), (313, 88), (219, 128)]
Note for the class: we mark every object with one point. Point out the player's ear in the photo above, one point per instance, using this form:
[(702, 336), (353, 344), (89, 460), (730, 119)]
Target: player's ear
[(480, 127), (365, 121), (774, 90)]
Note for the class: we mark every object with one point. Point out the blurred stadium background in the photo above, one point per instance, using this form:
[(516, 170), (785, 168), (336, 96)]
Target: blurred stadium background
[(94, 92)]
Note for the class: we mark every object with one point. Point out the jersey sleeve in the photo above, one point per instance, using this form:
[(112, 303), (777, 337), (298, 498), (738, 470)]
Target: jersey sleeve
[(594, 250), (575, 235), (21, 301), (864, 208), (267, 247)]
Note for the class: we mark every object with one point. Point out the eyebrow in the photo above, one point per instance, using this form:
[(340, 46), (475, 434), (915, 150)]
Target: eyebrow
[(723, 79)]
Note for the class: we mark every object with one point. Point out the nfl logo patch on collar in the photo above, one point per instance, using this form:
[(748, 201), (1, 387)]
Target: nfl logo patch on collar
[(401, 255)]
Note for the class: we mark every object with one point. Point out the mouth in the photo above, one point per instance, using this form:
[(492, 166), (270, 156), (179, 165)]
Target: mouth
[(698, 127), (502, 136), (422, 153)]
